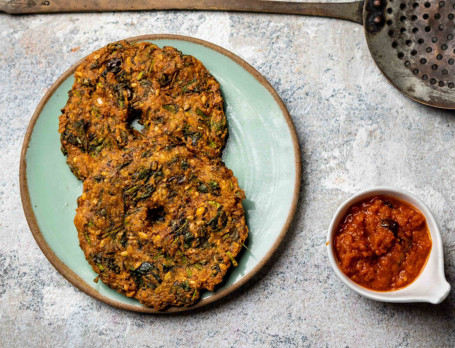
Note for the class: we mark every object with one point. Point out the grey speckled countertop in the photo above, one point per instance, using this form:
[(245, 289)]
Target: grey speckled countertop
[(355, 130)]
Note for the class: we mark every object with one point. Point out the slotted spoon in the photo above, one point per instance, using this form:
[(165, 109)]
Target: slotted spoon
[(412, 42)]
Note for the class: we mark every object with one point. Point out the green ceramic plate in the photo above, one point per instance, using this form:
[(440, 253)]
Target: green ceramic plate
[(262, 150)]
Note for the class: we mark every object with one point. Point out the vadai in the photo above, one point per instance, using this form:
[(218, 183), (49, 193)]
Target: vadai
[(168, 93), (159, 223), (96, 118), (178, 97)]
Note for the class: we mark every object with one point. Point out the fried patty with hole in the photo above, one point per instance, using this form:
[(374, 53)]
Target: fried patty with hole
[(160, 224), (170, 94)]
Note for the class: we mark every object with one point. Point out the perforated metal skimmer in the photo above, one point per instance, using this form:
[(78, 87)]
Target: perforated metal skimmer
[(411, 41), (413, 44)]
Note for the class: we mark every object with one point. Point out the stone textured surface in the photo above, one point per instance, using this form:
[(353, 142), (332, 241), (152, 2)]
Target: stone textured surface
[(355, 130)]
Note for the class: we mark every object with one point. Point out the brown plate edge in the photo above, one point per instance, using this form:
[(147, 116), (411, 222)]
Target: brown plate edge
[(67, 272)]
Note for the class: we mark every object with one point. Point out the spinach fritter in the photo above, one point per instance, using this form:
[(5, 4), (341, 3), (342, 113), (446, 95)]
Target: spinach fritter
[(178, 97), (96, 117), (160, 224), (169, 93)]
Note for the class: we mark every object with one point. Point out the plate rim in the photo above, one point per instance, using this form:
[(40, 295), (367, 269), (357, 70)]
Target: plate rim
[(67, 272)]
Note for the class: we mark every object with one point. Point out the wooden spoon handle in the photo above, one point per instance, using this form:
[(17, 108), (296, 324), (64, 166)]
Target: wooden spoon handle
[(350, 10)]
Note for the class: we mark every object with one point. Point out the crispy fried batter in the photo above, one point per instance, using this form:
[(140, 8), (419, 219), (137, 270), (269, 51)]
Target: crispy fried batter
[(159, 224), (160, 217), (96, 117), (178, 97), (169, 93)]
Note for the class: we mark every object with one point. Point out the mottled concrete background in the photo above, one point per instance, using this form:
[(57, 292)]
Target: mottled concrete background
[(355, 130)]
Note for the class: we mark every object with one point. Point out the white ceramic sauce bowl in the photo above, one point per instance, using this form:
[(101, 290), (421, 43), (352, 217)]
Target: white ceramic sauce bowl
[(430, 286)]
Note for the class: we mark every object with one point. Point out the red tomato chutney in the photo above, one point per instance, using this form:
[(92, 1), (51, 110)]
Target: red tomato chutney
[(382, 243)]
